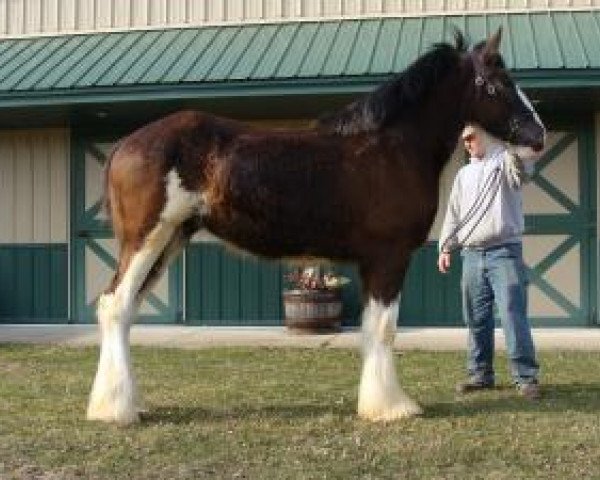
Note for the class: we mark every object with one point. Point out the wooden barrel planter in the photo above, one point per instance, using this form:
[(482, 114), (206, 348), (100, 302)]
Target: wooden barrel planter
[(313, 311)]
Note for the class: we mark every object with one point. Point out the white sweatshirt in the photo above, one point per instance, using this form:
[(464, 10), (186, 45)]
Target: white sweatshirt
[(498, 216)]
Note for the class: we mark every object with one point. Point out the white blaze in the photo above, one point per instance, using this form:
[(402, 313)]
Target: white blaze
[(529, 106), (527, 152)]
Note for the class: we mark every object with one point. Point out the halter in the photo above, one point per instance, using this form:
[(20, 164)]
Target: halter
[(514, 124), (480, 81)]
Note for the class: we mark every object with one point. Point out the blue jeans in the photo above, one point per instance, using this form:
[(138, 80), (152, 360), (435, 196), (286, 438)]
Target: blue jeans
[(496, 275)]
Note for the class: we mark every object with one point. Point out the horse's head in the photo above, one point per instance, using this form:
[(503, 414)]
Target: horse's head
[(496, 103)]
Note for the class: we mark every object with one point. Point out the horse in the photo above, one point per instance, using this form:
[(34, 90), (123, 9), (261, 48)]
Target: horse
[(360, 185)]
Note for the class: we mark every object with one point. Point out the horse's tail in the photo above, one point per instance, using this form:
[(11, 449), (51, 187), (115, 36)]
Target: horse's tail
[(106, 196)]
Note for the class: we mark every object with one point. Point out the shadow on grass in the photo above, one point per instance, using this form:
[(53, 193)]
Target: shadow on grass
[(579, 397), (189, 414)]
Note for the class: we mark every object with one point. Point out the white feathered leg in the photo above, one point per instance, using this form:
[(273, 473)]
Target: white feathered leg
[(113, 396), (380, 396)]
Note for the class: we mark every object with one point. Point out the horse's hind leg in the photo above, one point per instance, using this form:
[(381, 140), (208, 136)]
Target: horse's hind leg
[(180, 238), (113, 397)]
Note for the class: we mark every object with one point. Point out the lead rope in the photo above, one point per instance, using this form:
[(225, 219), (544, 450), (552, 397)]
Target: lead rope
[(491, 186)]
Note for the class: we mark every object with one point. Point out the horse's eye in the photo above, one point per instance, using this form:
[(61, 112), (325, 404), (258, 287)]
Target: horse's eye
[(491, 90)]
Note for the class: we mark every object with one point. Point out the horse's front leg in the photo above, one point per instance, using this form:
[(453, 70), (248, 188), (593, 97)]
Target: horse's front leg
[(380, 396)]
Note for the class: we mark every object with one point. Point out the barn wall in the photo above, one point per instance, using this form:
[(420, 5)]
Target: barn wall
[(25, 17), (34, 191), (34, 186)]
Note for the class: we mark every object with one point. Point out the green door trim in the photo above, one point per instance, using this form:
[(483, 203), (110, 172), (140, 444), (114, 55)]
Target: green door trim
[(578, 224), (590, 269), (112, 263)]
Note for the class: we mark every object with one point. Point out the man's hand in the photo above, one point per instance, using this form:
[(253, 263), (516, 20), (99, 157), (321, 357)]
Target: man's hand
[(444, 262), (516, 172)]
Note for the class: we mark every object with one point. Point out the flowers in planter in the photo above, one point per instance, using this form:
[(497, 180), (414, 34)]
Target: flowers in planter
[(314, 278)]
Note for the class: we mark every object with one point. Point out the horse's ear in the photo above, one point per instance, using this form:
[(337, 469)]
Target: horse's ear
[(492, 46)]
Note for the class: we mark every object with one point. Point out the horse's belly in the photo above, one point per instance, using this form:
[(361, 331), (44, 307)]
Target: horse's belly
[(279, 235)]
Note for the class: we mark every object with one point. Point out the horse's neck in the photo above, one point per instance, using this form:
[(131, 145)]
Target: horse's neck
[(441, 120)]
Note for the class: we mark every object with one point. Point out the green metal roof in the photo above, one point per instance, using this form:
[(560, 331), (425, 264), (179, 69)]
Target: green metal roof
[(550, 48)]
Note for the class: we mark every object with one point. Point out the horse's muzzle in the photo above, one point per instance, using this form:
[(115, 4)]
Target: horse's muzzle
[(531, 134)]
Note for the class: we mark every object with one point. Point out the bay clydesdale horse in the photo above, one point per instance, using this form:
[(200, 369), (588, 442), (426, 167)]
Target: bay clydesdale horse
[(360, 186)]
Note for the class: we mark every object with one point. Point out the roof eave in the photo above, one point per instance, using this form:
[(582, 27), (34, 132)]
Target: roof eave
[(540, 78)]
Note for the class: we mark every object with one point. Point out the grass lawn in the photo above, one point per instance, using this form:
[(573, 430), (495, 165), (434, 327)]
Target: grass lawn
[(290, 414)]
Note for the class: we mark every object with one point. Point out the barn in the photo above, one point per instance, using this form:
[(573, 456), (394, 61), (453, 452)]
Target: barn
[(75, 75)]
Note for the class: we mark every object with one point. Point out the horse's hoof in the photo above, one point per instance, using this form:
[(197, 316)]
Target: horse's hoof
[(120, 418), (398, 411), (406, 410)]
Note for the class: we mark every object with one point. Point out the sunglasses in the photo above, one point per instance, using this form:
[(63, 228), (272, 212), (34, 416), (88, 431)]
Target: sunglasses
[(469, 138)]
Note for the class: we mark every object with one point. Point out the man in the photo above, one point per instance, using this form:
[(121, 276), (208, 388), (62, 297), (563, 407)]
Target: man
[(485, 218)]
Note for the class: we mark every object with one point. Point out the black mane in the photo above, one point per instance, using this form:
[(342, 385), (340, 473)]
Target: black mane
[(397, 97)]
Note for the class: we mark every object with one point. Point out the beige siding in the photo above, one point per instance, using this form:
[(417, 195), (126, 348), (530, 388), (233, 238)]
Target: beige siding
[(23, 213), (33, 186), (40, 170), (65, 13), (59, 149), (7, 190), (50, 17), (26, 17)]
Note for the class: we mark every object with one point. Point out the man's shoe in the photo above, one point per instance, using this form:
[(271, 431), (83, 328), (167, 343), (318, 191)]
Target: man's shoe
[(530, 391), (473, 386)]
